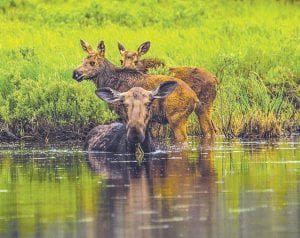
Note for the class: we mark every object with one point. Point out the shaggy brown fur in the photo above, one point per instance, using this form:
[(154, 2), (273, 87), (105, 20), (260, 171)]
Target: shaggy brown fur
[(205, 86), (175, 109), (200, 80)]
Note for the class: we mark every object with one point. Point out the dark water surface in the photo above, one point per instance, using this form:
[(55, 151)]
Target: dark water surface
[(221, 189)]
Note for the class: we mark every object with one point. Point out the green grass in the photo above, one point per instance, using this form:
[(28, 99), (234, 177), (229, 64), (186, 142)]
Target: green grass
[(252, 46)]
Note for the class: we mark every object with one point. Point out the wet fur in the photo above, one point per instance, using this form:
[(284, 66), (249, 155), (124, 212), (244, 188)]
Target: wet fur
[(112, 138)]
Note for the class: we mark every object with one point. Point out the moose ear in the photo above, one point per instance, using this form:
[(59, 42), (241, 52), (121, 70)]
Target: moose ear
[(143, 49), (121, 48), (86, 47), (164, 89), (108, 95), (101, 48)]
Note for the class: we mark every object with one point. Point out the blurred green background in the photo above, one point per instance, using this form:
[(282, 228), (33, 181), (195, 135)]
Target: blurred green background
[(251, 46)]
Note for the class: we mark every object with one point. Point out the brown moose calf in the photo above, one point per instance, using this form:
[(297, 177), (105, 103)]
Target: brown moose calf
[(200, 80)]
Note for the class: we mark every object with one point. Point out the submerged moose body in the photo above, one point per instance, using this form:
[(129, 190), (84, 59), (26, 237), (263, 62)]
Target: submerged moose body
[(135, 105), (174, 110), (200, 80), (109, 138)]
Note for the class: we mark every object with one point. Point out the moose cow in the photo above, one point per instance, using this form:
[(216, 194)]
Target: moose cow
[(135, 106)]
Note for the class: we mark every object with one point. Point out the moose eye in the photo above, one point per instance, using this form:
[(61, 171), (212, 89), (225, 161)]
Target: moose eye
[(92, 63)]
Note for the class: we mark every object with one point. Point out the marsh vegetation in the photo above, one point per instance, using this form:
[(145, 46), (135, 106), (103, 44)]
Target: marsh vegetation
[(251, 46)]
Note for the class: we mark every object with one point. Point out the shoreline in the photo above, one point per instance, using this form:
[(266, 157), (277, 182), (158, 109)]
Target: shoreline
[(71, 137)]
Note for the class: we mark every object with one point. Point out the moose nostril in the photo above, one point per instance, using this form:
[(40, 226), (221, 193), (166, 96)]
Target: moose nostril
[(134, 138), (76, 74)]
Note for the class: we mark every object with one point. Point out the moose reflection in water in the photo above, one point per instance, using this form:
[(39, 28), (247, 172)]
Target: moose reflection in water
[(135, 107), (141, 197), (227, 189)]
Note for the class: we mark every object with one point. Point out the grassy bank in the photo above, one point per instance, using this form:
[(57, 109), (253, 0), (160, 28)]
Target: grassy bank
[(252, 46)]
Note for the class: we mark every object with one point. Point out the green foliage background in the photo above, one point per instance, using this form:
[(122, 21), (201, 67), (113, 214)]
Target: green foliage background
[(252, 46)]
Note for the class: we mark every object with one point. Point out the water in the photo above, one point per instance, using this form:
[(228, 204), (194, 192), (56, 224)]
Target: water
[(220, 189)]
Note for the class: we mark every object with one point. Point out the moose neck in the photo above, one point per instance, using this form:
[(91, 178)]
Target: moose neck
[(116, 78)]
